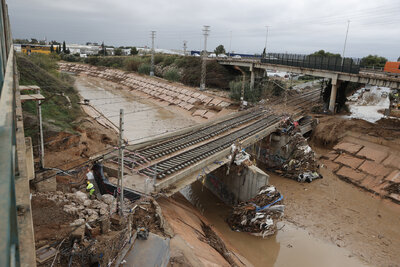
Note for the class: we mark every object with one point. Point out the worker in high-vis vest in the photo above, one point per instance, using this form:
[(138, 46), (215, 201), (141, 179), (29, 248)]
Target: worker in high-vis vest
[(90, 188)]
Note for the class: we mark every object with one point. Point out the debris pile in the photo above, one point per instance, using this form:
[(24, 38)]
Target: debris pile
[(301, 165), (258, 215), (94, 232)]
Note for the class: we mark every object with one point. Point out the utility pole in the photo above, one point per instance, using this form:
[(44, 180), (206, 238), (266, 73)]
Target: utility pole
[(206, 30), (121, 161), (230, 43), (345, 41), (41, 150), (153, 35), (184, 47), (266, 40)]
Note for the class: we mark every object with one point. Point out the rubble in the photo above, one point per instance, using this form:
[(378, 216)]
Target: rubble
[(302, 164), (258, 215)]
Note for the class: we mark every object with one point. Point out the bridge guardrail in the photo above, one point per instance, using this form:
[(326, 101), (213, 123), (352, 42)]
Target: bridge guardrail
[(348, 65)]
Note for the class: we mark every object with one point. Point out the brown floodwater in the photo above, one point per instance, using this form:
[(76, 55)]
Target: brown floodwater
[(143, 118), (291, 246)]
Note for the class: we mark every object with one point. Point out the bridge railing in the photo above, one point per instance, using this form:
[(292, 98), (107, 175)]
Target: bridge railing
[(9, 246), (348, 65)]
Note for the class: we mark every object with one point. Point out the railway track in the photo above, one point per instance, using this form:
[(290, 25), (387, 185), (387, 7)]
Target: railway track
[(152, 152), (173, 164)]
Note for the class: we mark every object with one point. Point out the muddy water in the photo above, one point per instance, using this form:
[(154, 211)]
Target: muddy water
[(143, 117), (291, 246)]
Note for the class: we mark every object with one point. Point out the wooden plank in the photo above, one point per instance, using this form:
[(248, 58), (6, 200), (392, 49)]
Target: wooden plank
[(34, 97), (29, 87)]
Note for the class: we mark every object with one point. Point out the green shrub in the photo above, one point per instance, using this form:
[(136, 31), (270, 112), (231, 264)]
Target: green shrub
[(158, 58), (132, 64), (168, 60), (144, 68), (172, 75), (180, 62)]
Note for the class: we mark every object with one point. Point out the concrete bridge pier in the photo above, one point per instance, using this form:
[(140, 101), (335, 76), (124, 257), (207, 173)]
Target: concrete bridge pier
[(332, 100)]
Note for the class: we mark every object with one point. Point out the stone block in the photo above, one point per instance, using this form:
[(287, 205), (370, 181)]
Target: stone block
[(392, 161), (199, 112), (348, 147), (372, 154), (349, 160), (373, 168), (79, 232), (350, 174)]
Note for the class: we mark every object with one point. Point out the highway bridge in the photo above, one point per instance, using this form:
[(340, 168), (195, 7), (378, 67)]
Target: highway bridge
[(335, 69)]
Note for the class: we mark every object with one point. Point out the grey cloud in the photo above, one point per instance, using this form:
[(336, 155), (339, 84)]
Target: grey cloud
[(296, 26)]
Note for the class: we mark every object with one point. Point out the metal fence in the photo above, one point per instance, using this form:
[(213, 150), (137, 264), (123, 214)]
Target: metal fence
[(9, 248), (348, 65)]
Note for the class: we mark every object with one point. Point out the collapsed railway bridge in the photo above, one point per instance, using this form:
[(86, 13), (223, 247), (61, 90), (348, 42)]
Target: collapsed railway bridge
[(170, 162)]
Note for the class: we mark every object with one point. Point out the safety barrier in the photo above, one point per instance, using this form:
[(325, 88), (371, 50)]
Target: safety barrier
[(9, 249), (348, 65)]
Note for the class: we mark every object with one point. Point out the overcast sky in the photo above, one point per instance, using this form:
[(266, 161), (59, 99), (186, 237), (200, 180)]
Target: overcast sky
[(295, 26)]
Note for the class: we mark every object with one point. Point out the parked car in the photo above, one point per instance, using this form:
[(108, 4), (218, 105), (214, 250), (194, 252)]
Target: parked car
[(237, 57), (222, 56), (212, 55), (196, 54)]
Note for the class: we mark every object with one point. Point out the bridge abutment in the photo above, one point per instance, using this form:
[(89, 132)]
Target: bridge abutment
[(240, 184)]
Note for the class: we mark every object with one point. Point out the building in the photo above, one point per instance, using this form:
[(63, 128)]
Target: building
[(30, 48)]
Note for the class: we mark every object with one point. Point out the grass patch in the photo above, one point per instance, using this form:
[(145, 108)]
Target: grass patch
[(56, 109), (144, 68), (172, 75)]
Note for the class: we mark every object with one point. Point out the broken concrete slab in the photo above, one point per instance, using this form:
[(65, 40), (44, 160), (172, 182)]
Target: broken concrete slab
[(349, 160), (372, 183), (209, 115), (199, 112), (373, 168), (351, 175), (372, 154), (330, 165), (394, 176), (348, 147), (392, 161)]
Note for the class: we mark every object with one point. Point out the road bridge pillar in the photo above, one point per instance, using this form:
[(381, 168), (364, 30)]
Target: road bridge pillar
[(252, 77), (332, 99)]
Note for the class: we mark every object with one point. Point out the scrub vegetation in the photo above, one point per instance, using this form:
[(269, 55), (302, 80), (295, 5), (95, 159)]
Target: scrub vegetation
[(58, 112)]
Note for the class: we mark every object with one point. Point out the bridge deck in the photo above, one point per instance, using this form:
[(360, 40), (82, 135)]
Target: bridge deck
[(367, 77)]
